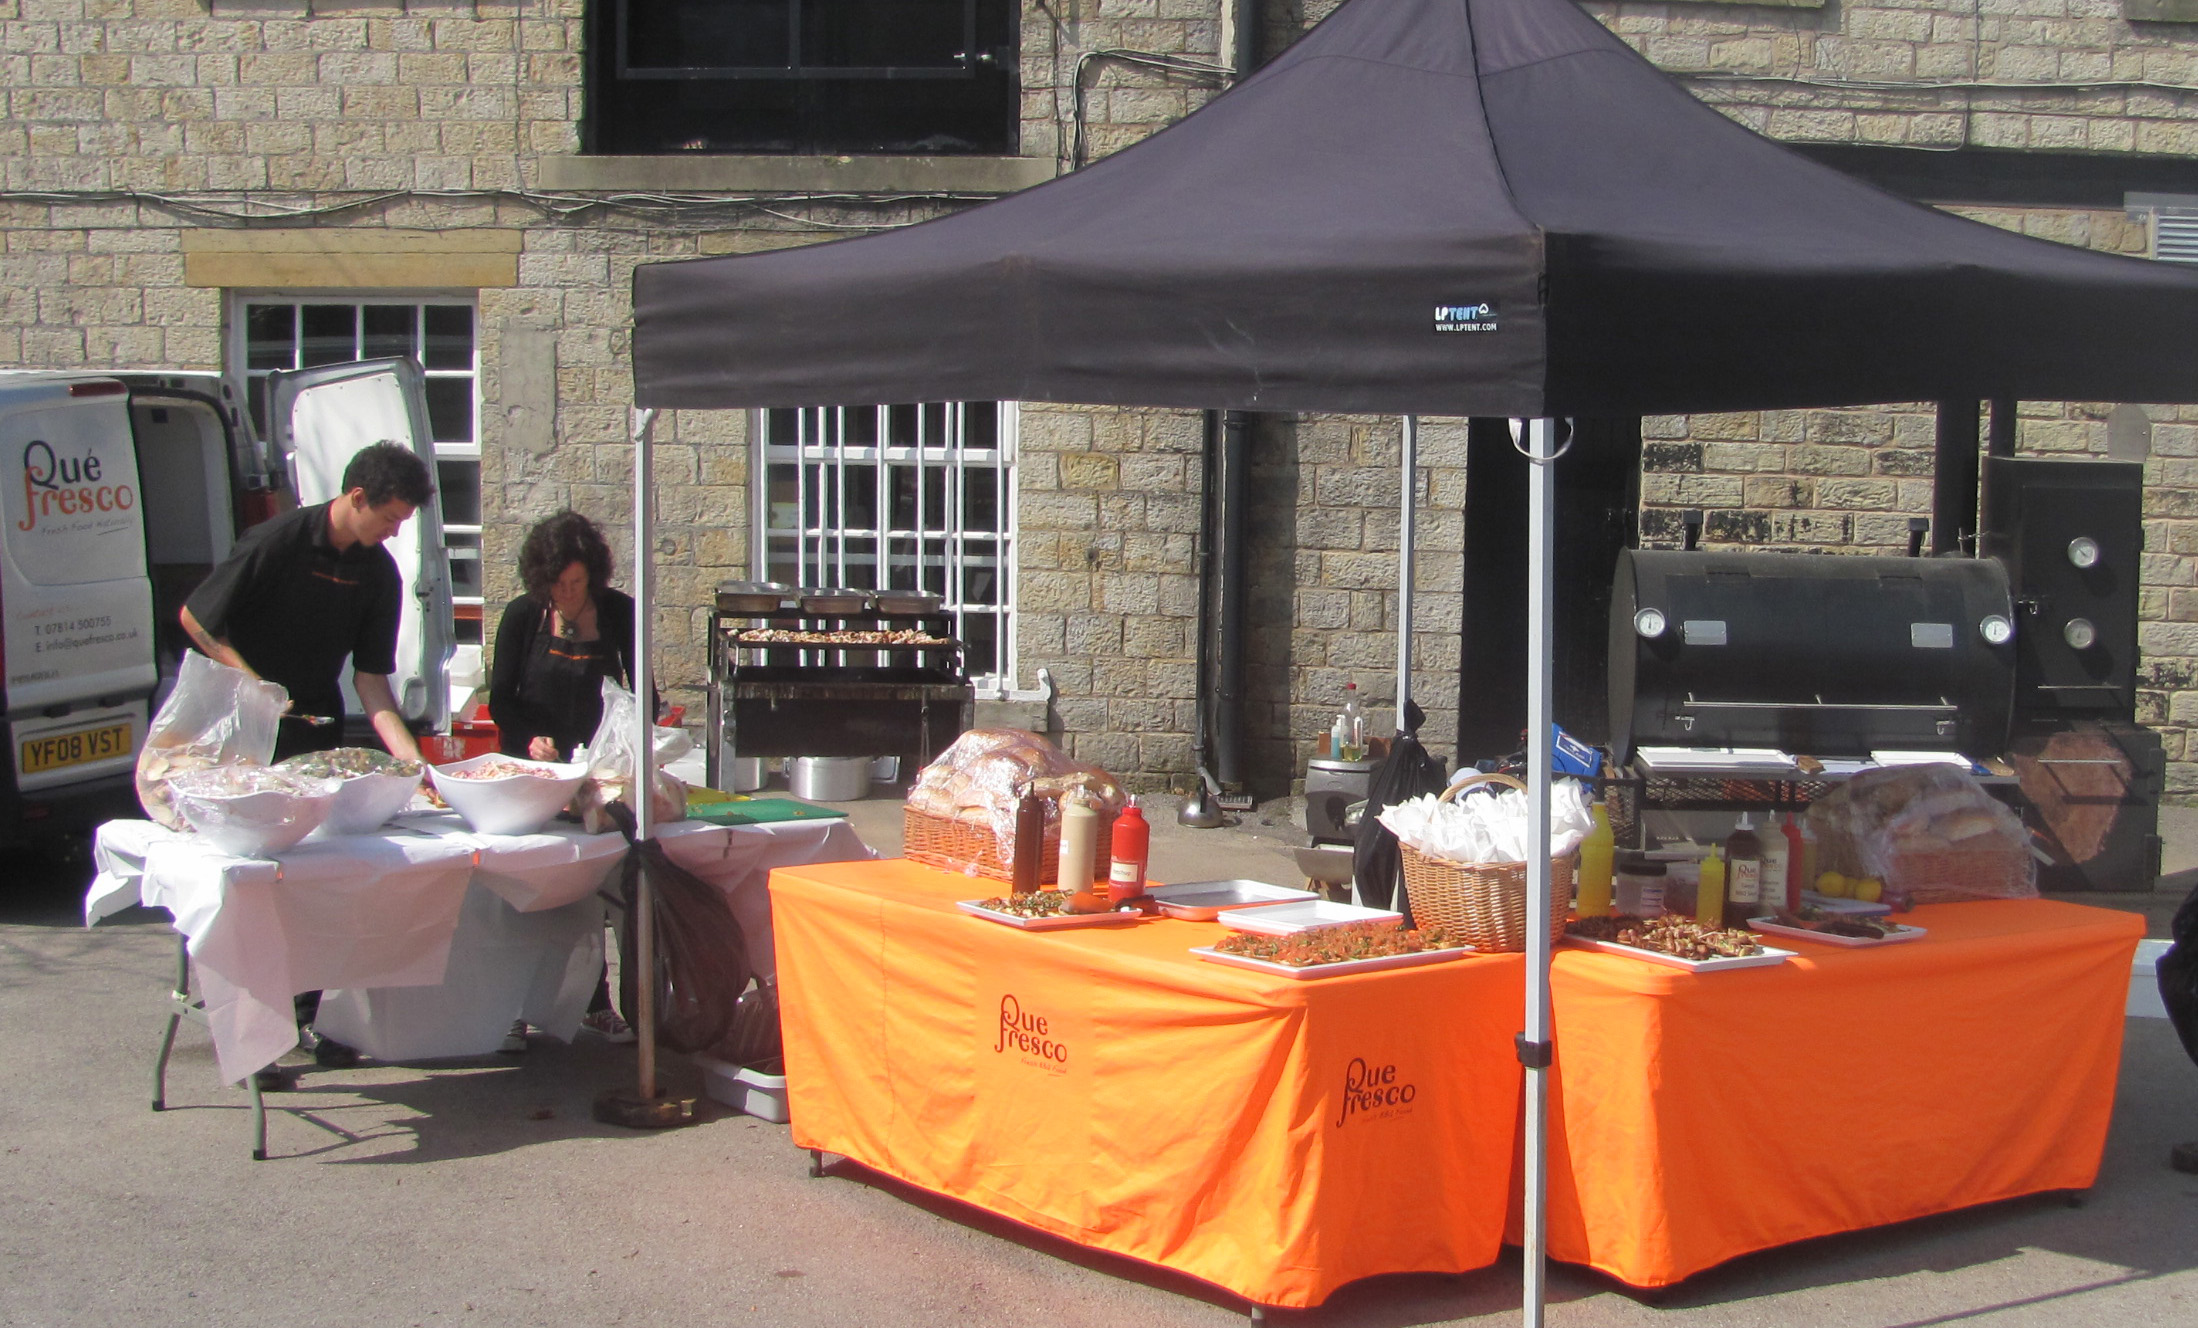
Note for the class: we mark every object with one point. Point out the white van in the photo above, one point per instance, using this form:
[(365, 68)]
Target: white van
[(317, 420), (119, 493)]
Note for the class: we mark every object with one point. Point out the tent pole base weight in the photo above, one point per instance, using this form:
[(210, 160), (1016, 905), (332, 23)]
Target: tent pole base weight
[(644, 1113)]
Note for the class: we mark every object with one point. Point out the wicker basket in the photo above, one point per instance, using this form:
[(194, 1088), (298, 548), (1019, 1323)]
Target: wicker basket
[(960, 846), (1483, 902), (1952, 876)]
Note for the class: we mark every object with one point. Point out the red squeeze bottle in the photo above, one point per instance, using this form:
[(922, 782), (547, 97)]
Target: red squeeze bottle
[(1132, 844)]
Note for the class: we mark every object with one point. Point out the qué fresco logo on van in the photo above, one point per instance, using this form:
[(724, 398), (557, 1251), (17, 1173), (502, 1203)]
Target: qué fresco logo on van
[(61, 486)]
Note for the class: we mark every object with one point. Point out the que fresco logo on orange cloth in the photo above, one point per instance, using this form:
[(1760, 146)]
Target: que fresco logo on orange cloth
[(1029, 1035), (1371, 1092)]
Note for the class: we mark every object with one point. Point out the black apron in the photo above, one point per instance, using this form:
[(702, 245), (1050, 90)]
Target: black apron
[(564, 680)]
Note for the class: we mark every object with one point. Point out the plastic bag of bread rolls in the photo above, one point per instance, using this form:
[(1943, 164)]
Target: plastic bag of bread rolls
[(1931, 833)]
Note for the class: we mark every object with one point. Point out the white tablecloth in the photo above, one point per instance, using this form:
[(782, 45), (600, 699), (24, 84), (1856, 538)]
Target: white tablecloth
[(477, 930)]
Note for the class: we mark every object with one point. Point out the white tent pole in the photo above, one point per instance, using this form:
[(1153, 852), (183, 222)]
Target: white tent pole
[(1407, 509), (1540, 676), (643, 789)]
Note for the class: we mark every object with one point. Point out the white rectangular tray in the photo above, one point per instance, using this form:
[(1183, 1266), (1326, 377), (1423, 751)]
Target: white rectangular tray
[(1309, 971), (976, 909), (1771, 955), (1203, 901), (1305, 915), (1776, 928)]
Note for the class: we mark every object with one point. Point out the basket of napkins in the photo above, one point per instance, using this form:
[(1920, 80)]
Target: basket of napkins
[(1464, 857)]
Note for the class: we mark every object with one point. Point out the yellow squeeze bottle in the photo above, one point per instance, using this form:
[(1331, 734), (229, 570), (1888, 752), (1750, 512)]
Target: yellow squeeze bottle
[(1709, 896), (1596, 854)]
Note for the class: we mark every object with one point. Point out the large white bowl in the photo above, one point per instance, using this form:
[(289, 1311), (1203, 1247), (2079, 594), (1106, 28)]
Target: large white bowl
[(512, 805), (365, 802), (253, 823)]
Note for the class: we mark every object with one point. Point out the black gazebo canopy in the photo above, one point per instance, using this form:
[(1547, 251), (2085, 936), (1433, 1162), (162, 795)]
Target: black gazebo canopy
[(1456, 207)]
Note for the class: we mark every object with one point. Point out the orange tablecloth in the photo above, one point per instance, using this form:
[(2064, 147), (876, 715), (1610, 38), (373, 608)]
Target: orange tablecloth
[(1109, 1087), (1699, 1117)]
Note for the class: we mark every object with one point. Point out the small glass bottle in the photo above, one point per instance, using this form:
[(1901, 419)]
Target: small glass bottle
[(1353, 720), (1743, 874)]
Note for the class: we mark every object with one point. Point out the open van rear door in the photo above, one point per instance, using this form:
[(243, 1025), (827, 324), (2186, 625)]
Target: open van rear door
[(76, 610), (318, 419)]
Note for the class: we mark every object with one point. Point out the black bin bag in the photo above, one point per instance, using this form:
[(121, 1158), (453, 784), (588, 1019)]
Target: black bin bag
[(2178, 974)]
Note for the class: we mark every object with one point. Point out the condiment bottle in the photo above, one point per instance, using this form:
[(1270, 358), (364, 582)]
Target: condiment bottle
[(1777, 867), (1709, 895), (1030, 843), (1132, 843), (1743, 874), (1805, 876), (1079, 844), (1353, 720), (1596, 853)]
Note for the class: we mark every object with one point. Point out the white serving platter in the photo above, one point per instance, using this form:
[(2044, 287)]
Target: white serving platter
[(1203, 901), (1836, 904), (976, 909), (1776, 928), (1304, 915), (1337, 970), (1771, 955)]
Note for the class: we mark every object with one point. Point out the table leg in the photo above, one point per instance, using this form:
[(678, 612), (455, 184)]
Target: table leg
[(180, 1008), (1259, 1314), (179, 1001), (816, 1163)]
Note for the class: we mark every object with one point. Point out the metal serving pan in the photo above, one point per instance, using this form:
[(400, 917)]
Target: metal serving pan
[(752, 596), (834, 601), (907, 603), (1203, 901)]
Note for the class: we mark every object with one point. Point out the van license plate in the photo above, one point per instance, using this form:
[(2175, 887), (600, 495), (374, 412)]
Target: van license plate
[(58, 750)]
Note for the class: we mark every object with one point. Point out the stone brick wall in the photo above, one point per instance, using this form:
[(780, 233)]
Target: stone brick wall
[(2062, 75), (133, 123)]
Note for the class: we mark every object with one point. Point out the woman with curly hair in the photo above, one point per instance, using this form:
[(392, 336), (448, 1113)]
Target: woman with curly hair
[(554, 647), (558, 641)]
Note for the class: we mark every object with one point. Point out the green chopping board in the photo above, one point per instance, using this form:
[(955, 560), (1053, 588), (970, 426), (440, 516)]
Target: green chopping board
[(757, 811)]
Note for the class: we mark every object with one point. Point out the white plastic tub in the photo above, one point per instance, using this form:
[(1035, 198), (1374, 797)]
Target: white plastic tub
[(746, 1090)]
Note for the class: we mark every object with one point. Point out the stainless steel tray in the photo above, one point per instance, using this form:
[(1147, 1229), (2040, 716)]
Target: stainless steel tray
[(1307, 972), (1203, 901), (835, 601), (976, 909)]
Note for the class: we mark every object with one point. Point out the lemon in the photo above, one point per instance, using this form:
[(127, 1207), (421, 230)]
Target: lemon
[(1868, 889), (1832, 884)]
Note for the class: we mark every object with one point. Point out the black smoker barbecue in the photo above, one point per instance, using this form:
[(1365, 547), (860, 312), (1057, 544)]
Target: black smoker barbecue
[(2022, 659), (769, 699)]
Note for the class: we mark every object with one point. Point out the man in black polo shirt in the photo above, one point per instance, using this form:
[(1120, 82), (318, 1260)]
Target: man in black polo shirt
[(303, 592)]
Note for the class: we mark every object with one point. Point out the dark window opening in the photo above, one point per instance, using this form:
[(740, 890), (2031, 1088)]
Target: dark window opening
[(930, 77)]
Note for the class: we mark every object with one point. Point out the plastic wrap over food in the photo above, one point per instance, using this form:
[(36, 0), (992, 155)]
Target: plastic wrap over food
[(1488, 824), (1931, 833), (980, 779), (251, 811), (216, 716), (611, 765)]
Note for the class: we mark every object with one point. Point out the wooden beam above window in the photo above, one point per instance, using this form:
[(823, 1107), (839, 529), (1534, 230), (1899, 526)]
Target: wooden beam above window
[(351, 258)]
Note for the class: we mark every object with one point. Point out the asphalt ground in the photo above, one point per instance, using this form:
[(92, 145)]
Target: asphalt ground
[(482, 1192)]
